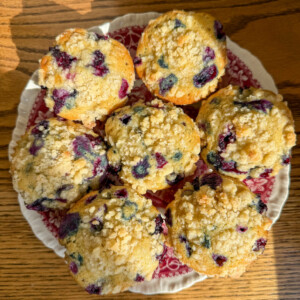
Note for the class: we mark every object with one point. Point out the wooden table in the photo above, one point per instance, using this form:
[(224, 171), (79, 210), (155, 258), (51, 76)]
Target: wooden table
[(269, 29)]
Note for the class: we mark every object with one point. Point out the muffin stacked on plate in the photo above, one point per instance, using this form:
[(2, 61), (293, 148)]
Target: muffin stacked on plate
[(87, 76), (217, 226), (246, 132), (56, 162), (181, 56), (113, 235), (113, 240), (155, 144)]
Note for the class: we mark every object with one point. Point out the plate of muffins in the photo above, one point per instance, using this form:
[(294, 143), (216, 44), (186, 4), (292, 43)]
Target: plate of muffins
[(151, 152)]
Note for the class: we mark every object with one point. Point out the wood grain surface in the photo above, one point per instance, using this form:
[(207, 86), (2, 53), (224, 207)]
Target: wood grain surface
[(269, 29)]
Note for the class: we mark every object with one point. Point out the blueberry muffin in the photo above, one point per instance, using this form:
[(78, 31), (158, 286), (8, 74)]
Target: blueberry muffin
[(56, 162), (181, 56), (86, 75), (113, 238), (155, 145), (246, 132), (217, 225)]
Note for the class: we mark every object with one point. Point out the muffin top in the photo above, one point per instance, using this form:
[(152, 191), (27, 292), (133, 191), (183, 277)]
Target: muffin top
[(55, 163), (217, 225), (246, 132), (86, 75), (153, 144), (181, 56), (113, 239)]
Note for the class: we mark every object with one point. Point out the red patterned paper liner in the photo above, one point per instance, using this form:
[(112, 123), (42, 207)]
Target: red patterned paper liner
[(237, 73)]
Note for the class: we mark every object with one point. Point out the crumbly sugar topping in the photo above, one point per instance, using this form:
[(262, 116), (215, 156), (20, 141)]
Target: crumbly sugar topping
[(87, 76), (118, 237), (177, 52), (215, 227), (155, 144), (55, 162), (246, 132)]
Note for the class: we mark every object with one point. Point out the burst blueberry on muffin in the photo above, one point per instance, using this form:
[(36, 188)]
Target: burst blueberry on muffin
[(181, 56), (246, 132), (114, 240), (56, 162), (217, 226), (86, 75), (154, 145)]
